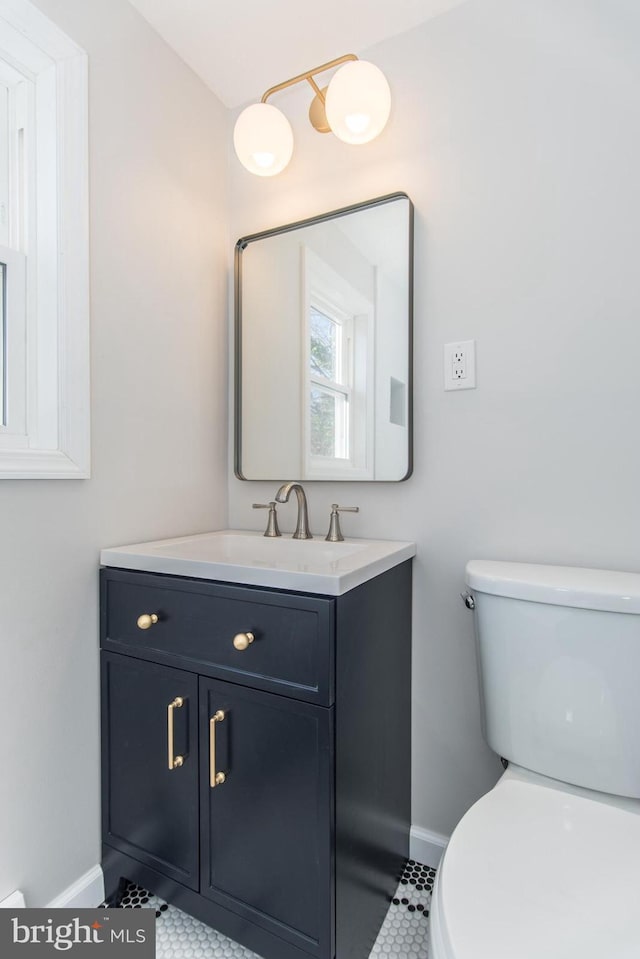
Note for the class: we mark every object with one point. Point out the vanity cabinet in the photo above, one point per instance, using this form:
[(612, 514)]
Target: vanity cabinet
[(264, 789), (151, 812)]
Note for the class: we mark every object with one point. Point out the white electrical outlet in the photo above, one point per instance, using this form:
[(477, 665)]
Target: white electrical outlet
[(460, 365)]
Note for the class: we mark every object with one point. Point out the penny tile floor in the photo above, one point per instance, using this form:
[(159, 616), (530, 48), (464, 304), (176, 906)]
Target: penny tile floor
[(403, 934)]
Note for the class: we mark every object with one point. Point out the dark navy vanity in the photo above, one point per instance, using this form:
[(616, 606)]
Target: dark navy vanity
[(256, 753)]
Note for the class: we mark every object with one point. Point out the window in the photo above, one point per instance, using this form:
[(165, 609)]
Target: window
[(44, 312), (338, 385), (13, 354), (14, 142), (3, 294), (330, 379)]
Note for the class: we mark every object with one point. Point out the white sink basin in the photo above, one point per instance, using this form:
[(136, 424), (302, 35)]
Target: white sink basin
[(237, 556)]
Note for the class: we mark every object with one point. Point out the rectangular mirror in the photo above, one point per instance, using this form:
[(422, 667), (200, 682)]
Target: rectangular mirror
[(324, 347)]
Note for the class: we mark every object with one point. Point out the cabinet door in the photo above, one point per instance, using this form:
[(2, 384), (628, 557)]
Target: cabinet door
[(150, 811), (267, 828)]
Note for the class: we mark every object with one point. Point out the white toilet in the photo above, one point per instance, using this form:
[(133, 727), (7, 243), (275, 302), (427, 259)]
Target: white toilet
[(547, 864)]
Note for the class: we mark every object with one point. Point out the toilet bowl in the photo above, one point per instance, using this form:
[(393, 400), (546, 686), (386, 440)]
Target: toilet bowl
[(547, 864), (538, 870)]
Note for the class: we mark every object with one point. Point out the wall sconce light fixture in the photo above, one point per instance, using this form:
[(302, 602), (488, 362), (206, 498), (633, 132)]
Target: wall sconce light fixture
[(354, 106)]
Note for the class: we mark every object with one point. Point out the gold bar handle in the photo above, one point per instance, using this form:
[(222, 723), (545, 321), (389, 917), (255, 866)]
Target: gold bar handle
[(216, 779), (174, 762)]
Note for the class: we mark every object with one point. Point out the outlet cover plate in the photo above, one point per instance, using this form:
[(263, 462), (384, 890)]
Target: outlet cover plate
[(460, 365)]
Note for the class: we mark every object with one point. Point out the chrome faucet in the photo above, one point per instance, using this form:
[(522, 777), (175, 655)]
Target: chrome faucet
[(302, 526)]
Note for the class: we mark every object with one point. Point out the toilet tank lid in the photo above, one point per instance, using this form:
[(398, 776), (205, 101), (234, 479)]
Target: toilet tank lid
[(599, 589)]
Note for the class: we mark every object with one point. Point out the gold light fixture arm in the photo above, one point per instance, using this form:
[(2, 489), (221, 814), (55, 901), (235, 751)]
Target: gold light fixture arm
[(316, 89), (308, 75)]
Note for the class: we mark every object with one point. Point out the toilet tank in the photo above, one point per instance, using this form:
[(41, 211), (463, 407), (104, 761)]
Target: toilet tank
[(559, 662)]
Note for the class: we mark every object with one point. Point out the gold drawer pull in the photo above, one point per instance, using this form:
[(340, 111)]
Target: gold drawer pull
[(174, 761), (243, 640), (147, 620), (216, 779)]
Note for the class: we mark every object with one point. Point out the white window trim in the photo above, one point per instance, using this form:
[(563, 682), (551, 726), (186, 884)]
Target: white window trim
[(56, 442)]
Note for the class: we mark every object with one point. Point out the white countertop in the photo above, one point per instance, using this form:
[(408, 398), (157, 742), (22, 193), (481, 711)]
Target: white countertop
[(243, 556)]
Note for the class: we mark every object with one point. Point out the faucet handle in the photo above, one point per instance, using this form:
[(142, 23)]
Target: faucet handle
[(272, 521), (335, 533)]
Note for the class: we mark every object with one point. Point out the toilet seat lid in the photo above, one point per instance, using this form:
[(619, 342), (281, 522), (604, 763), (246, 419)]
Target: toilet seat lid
[(533, 871)]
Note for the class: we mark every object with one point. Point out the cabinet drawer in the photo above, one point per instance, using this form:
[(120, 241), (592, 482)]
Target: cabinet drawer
[(197, 620)]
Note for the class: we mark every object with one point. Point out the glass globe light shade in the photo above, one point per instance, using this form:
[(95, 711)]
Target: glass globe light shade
[(358, 102), (263, 139)]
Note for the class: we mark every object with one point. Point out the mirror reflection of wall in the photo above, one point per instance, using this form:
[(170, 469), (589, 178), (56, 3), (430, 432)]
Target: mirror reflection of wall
[(324, 340)]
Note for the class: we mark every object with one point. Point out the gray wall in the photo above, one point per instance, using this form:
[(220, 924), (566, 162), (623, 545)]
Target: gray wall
[(516, 131), (159, 245)]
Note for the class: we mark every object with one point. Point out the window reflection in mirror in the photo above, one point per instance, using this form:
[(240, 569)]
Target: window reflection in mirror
[(323, 347), (328, 395), (2, 369)]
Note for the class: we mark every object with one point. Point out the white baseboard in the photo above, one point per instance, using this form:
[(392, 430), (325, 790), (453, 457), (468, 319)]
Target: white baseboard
[(426, 846), (13, 901), (87, 892)]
